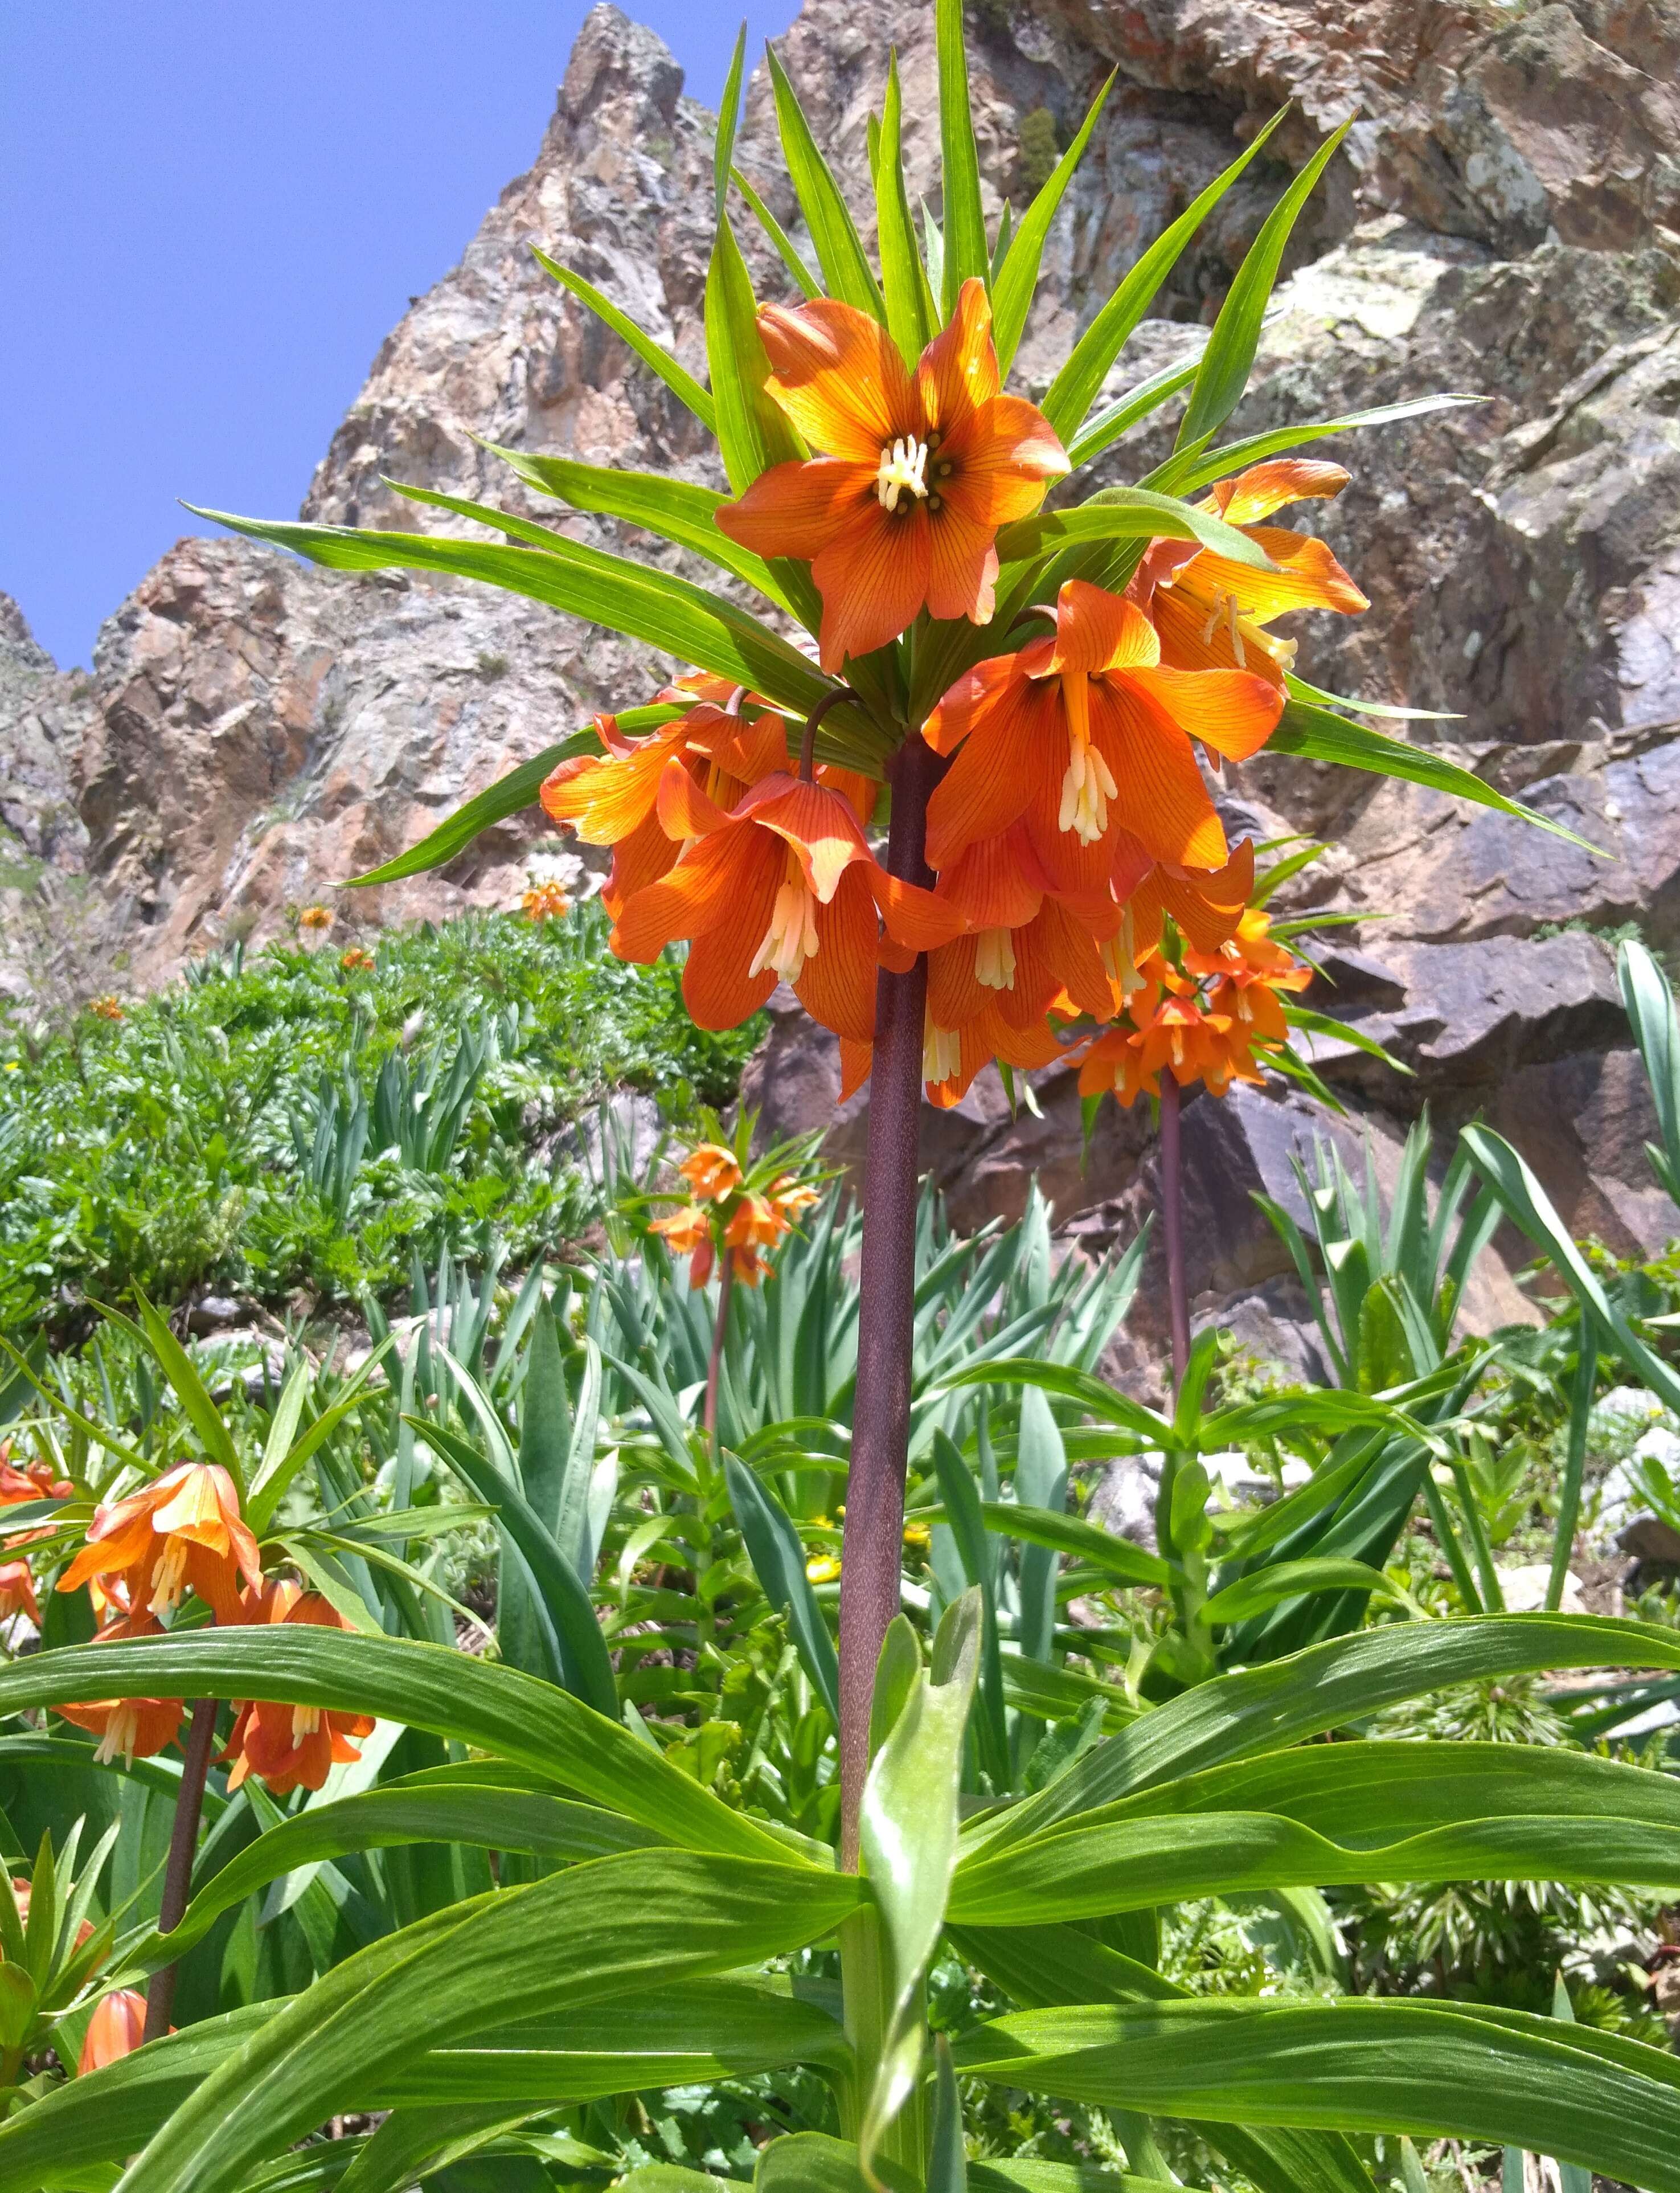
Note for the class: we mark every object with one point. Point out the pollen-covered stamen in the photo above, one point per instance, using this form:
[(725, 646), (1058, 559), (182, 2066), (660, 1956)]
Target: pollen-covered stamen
[(903, 465), (792, 938), (1227, 612), (171, 1578), (941, 1053), (1119, 959), (1089, 785), (121, 1734), (995, 960), (305, 1720)]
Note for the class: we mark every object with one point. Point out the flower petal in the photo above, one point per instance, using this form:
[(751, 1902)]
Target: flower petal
[(839, 377), (1159, 795), (708, 883), (1307, 576), (916, 920), (820, 826), (1097, 630), (955, 993), (962, 567), (606, 799), (1019, 758), (873, 578), (716, 988), (684, 811), (641, 859), (995, 883), (977, 694), (836, 984), (795, 509), (855, 1061), (958, 369), (1234, 711), (1001, 458), (1264, 488)]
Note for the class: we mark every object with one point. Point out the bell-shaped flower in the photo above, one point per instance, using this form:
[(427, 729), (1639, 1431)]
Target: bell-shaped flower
[(756, 1224), (17, 1592), (710, 1172), (901, 514), (1248, 972), (116, 2028), (783, 887), (1211, 611), (1023, 949), (182, 1530), (951, 1058), (291, 1747), (126, 1728), (1085, 735), (686, 1232)]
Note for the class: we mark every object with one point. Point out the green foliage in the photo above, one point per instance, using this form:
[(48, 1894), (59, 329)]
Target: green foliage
[(273, 1122), (1039, 147)]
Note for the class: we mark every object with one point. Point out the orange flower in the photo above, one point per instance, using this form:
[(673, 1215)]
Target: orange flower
[(34, 1481), (1249, 972), (710, 1171), (951, 1058), (21, 1891), (105, 1009), (1210, 612), (126, 1728), (793, 1198), (545, 903), (1086, 735), (688, 1233), (17, 1592), (356, 961), (182, 1530), (291, 1747), (1024, 950), (783, 887), (755, 1224), (1206, 905), (1113, 1066), (902, 513), (315, 917), (1192, 1043), (117, 2028)]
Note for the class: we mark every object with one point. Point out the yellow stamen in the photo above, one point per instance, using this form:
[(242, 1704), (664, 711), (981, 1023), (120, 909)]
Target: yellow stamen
[(305, 1720), (171, 1580), (1119, 959), (121, 1734), (792, 938), (1089, 785), (941, 1053), (904, 465), (995, 960)]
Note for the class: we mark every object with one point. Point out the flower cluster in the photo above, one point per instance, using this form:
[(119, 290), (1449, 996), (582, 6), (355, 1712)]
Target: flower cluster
[(545, 902), (34, 1481), (1073, 814), (727, 1211), (357, 960)]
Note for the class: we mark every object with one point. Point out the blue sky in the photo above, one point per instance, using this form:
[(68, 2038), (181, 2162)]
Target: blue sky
[(211, 214)]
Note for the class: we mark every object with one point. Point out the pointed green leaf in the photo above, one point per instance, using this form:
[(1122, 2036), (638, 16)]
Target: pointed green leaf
[(778, 1559), (1013, 289), (1185, 474), (901, 275), (1127, 513), (966, 256), (729, 114), (779, 235), (839, 250), (753, 431), (676, 378)]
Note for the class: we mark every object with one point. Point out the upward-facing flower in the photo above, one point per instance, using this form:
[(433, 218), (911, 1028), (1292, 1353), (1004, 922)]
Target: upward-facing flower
[(1211, 612), (901, 514), (783, 887), (1084, 735), (183, 1530)]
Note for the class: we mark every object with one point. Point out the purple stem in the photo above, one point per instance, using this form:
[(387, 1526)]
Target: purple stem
[(714, 1368), (1172, 1225), (200, 1736), (872, 1544)]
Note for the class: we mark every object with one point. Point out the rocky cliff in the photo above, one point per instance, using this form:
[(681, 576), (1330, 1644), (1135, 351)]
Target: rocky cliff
[(1506, 222)]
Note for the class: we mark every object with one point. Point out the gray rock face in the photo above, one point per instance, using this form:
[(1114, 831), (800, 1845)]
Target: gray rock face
[(1505, 222)]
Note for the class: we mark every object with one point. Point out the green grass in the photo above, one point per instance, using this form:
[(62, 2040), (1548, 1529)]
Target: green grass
[(181, 1148)]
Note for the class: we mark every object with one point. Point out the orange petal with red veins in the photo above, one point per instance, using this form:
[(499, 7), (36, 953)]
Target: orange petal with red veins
[(915, 919), (1264, 488), (820, 825), (1051, 955), (862, 794), (684, 811), (873, 578), (757, 750), (1234, 711), (1001, 458), (795, 509), (716, 988), (955, 994), (1160, 797), (996, 883), (1307, 577), (962, 567), (1097, 630), (836, 984), (1018, 758), (641, 859), (958, 369), (975, 696), (606, 800), (705, 888), (855, 1061), (839, 377)]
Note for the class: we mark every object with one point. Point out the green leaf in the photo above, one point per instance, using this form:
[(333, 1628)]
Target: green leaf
[(947, 2160), (1068, 1534), (728, 115), (1316, 735), (778, 1558), (201, 1413), (509, 795), (901, 275), (778, 234), (1074, 390), (414, 2142), (1090, 1394), (496, 1709), (1127, 513), (1017, 281), (584, 1659), (1343, 1680), (1184, 473), (966, 1519), (676, 378), (667, 612), (840, 252), (753, 431), (966, 255), (1229, 355), (1358, 2065), (279, 1469), (562, 1946), (1137, 403), (1649, 1003), (1270, 1587), (676, 509)]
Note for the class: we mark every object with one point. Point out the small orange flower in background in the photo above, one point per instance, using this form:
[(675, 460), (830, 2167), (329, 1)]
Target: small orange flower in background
[(1210, 612), (688, 1233), (710, 1172), (183, 1531), (116, 2028), (291, 1747), (922, 470), (358, 961), (17, 1592), (126, 1728), (757, 1224), (21, 1892), (105, 1009), (545, 903), (793, 1198), (316, 919)]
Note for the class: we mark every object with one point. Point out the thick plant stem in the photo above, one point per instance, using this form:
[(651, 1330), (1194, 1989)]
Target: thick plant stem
[(872, 1549), (1172, 1225), (714, 1368), (200, 1736)]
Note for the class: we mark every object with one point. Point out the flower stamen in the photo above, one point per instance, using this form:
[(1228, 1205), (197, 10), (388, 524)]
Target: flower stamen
[(792, 938), (1089, 785), (995, 960), (941, 1054), (903, 465)]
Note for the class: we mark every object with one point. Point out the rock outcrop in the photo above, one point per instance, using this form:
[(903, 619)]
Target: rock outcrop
[(1505, 222)]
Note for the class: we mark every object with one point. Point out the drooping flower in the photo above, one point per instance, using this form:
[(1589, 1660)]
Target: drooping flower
[(710, 1171), (291, 1747), (357, 960), (17, 1592), (793, 1198), (546, 901), (756, 1224), (116, 2028), (1212, 612), (951, 1058), (688, 1233), (126, 1728), (105, 1009), (1023, 949), (1085, 735), (316, 919), (921, 471), (184, 1531), (1247, 974), (783, 887)]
